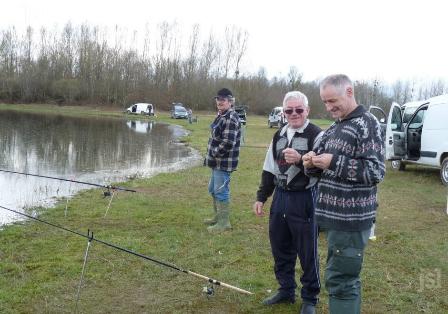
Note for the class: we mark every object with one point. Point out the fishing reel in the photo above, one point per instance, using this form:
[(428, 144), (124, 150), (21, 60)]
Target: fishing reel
[(209, 290)]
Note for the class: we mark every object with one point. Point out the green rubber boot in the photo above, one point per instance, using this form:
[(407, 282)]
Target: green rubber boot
[(223, 218), (212, 221)]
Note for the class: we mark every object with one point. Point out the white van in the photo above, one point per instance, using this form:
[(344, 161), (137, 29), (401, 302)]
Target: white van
[(277, 117), (141, 108), (423, 139)]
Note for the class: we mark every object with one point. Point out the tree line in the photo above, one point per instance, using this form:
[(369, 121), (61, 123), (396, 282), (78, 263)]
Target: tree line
[(89, 65)]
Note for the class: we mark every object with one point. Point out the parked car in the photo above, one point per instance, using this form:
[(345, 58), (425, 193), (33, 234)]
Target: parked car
[(178, 111), (423, 139), (277, 118), (141, 108), (241, 111)]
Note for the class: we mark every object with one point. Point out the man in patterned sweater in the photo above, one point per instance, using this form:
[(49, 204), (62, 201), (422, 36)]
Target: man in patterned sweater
[(222, 157), (350, 163)]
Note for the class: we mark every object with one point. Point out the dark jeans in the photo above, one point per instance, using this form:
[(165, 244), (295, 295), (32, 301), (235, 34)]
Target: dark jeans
[(293, 233), (344, 263)]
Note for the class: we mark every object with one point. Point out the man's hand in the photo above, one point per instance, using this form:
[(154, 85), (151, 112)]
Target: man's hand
[(258, 208), (307, 159), (322, 161), (291, 155)]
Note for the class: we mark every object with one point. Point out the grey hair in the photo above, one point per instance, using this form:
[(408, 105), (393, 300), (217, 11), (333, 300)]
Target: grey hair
[(340, 81), (297, 96)]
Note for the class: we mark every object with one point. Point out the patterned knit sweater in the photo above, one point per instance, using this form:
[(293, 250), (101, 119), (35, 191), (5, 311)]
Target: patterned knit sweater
[(347, 189)]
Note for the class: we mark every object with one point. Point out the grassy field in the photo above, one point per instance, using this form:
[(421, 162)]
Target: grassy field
[(405, 270)]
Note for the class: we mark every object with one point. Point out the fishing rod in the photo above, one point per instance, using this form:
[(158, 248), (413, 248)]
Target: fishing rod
[(90, 237), (109, 187), (255, 146)]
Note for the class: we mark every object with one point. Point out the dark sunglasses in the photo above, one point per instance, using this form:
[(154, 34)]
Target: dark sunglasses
[(297, 110)]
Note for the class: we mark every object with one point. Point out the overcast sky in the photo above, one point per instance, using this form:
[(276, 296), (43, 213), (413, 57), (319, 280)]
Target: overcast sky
[(366, 39)]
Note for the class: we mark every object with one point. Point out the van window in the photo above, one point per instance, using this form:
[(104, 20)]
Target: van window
[(396, 119), (417, 122), (407, 114)]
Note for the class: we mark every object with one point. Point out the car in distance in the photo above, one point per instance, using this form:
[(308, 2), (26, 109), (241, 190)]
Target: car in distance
[(277, 118), (241, 111), (141, 108), (178, 111)]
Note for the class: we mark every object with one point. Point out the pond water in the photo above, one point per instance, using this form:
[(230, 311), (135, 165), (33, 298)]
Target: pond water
[(92, 149)]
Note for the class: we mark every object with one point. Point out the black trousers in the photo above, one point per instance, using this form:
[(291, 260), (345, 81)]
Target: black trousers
[(293, 233)]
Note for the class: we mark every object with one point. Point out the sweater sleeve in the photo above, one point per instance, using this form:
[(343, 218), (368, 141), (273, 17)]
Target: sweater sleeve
[(267, 184), (367, 166), (266, 187), (314, 171)]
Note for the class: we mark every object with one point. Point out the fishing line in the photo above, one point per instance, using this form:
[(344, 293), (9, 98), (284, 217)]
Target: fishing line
[(90, 235), (68, 180), (110, 202), (149, 258), (254, 146)]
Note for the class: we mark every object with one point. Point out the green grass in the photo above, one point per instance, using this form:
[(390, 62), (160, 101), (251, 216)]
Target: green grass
[(41, 266)]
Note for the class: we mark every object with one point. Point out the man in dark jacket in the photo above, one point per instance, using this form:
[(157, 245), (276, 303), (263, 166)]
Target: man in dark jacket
[(292, 229), (222, 157), (350, 162)]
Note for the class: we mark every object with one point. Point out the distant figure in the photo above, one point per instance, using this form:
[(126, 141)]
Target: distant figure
[(190, 115), (292, 229), (350, 162), (222, 157), (243, 135)]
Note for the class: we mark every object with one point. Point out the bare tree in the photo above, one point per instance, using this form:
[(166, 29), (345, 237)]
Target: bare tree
[(240, 49), (437, 88), (208, 58), (294, 78), (229, 48)]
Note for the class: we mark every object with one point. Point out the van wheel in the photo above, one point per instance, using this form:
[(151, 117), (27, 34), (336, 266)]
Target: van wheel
[(444, 172), (398, 165)]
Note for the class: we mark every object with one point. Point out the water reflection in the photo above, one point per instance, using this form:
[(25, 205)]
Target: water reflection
[(96, 150), (140, 126)]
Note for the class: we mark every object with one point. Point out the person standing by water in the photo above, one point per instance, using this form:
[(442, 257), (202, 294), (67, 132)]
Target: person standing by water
[(292, 229), (222, 157), (350, 162), (190, 115)]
